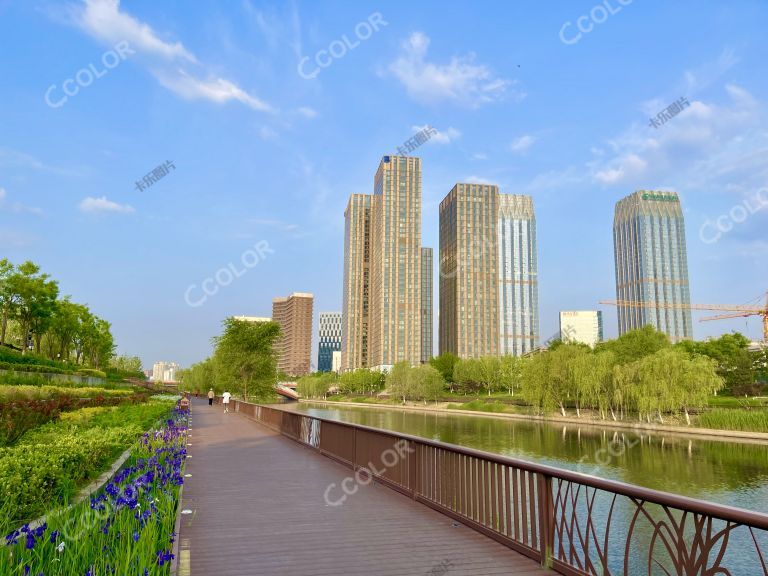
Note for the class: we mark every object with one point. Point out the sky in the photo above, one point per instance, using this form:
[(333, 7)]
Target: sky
[(145, 146)]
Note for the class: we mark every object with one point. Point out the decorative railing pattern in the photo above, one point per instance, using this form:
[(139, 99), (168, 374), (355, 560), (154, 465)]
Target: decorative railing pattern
[(574, 523)]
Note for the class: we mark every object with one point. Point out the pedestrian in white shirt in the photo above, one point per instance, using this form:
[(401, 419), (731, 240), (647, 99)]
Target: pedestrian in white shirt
[(225, 401)]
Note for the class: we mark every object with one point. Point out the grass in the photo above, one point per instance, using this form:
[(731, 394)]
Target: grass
[(480, 406), (730, 419)]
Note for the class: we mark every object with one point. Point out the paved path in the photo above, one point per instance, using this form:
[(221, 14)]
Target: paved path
[(258, 508)]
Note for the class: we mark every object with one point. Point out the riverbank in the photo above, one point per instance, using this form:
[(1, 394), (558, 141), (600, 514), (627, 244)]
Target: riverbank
[(712, 434)]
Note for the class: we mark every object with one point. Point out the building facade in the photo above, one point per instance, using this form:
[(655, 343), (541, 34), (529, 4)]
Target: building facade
[(329, 339), (518, 275), (356, 296), (581, 326), (652, 264), (469, 262), (394, 328), (488, 273), (165, 371), (427, 321), (294, 347)]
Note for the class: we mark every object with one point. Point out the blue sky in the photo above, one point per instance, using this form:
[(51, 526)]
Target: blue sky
[(262, 154)]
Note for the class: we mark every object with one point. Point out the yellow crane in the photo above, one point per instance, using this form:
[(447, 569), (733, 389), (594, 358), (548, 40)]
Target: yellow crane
[(736, 310)]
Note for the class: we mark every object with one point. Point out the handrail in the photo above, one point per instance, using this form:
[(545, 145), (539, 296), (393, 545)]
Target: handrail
[(575, 523), (720, 511)]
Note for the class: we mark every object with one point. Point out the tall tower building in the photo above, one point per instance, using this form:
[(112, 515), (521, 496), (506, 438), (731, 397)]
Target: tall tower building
[(329, 339), (427, 323), (469, 265), (518, 275), (294, 347), (582, 326), (356, 298), (652, 263), (394, 330)]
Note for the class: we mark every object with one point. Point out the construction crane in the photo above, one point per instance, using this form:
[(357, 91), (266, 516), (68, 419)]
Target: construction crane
[(736, 310)]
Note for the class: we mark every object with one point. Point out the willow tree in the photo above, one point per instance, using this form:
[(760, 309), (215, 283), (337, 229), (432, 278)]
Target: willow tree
[(245, 359)]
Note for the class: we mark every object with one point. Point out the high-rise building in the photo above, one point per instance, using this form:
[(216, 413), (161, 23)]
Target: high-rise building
[(165, 371), (518, 275), (294, 347), (356, 298), (469, 263), (394, 328), (426, 305), (652, 264), (336, 361), (329, 339), (488, 272), (581, 326)]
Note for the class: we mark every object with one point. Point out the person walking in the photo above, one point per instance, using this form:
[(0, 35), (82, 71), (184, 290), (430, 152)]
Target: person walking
[(225, 400), (211, 396)]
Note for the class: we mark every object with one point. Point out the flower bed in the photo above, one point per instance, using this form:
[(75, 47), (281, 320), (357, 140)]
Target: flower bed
[(48, 464), (24, 408), (126, 529)]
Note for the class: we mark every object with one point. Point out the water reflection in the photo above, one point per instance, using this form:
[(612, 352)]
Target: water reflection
[(725, 472)]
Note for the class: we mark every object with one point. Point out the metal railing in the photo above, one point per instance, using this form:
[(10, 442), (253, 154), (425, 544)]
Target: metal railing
[(575, 523)]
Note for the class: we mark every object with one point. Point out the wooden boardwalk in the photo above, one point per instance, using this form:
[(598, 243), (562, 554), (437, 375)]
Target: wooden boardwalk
[(258, 507)]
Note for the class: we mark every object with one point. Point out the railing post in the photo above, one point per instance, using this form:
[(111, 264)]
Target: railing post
[(546, 519)]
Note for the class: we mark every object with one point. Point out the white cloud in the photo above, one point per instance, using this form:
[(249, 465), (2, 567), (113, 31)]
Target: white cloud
[(479, 156), (266, 133), (16, 207), (705, 146), (460, 80), (307, 112), (522, 143), (439, 136), (216, 90), (96, 205), (104, 21)]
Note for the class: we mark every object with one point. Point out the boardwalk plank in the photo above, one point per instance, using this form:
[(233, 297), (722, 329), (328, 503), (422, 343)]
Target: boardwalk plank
[(259, 509)]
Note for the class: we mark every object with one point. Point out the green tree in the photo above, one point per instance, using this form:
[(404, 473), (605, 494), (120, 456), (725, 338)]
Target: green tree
[(425, 383), (9, 298), (36, 301), (636, 344), (244, 358), (399, 381), (511, 373), (445, 363)]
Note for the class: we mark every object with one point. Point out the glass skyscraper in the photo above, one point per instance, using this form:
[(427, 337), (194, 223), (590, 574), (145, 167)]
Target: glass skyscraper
[(518, 275), (652, 264), (329, 339), (489, 302), (426, 305)]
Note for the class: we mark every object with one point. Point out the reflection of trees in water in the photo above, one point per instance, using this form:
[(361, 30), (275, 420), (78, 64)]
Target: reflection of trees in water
[(670, 463)]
